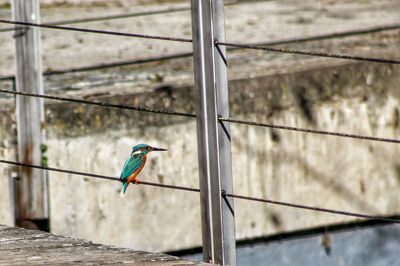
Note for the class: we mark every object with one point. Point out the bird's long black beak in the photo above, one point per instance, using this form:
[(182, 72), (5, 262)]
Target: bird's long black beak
[(159, 149)]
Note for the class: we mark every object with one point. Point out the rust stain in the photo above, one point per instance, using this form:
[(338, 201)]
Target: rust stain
[(27, 159), (28, 150), (25, 182)]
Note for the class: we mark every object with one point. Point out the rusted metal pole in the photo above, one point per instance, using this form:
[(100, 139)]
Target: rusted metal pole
[(215, 169), (32, 185)]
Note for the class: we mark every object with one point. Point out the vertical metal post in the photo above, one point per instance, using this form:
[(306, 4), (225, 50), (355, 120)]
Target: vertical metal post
[(215, 169), (32, 188)]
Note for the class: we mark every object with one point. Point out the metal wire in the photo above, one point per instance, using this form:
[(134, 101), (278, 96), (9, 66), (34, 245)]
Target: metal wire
[(300, 206), (104, 104), (324, 36), (96, 175), (118, 16), (108, 17), (189, 53), (117, 64), (125, 34), (228, 44), (311, 53), (223, 194), (307, 130), (222, 119)]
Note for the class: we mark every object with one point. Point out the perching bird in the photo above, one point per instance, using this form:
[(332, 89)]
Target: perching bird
[(134, 164)]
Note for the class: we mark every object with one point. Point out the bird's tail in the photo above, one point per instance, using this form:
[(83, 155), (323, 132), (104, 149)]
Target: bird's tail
[(123, 190)]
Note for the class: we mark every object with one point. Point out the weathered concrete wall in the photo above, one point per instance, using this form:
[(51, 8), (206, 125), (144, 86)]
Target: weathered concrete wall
[(324, 171), (94, 210), (245, 23), (7, 152)]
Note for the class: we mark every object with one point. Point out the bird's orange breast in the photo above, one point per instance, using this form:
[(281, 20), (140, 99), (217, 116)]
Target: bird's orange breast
[(134, 175)]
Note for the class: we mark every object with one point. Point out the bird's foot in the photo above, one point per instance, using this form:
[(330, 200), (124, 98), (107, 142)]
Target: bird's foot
[(137, 181)]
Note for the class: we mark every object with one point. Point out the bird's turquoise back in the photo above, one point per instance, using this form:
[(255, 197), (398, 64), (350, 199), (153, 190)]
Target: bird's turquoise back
[(131, 165)]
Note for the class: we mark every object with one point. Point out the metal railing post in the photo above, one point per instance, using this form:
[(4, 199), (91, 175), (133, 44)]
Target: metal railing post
[(215, 169), (32, 188)]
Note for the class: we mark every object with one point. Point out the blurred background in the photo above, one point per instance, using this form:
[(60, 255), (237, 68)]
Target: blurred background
[(285, 89)]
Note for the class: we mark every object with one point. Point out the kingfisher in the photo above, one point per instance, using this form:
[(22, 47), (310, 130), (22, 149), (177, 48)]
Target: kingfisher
[(134, 164)]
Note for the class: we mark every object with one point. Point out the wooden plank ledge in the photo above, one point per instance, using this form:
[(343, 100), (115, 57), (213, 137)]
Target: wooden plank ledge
[(21, 247)]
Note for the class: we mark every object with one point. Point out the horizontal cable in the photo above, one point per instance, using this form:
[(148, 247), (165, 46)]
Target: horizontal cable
[(307, 130), (228, 44), (104, 104), (224, 119), (108, 65), (113, 178), (325, 36), (119, 16), (108, 17), (223, 194), (116, 64), (310, 53), (189, 53), (318, 209), (115, 33)]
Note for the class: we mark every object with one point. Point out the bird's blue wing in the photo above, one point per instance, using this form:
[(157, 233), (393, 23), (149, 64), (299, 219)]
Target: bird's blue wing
[(130, 166)]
